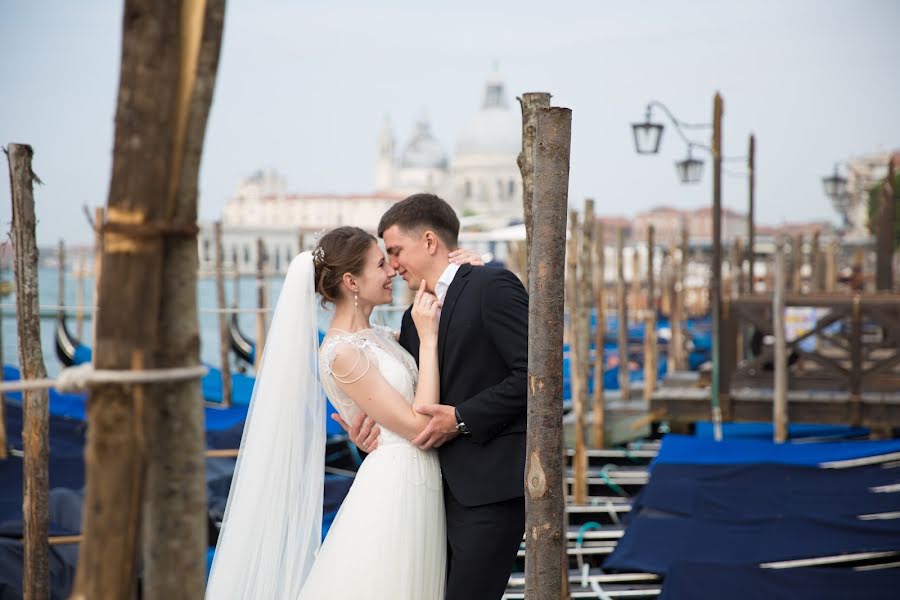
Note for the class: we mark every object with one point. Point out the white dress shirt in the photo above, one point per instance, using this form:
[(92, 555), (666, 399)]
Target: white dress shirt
[(443, 283)]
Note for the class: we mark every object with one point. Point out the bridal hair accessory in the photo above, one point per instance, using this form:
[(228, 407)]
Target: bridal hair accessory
[(318, 253)]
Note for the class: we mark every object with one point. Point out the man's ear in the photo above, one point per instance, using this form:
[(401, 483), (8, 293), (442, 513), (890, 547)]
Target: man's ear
[(431, 242)]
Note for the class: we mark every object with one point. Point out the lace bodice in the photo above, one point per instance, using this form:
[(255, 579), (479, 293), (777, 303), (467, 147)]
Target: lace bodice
[(383, 352)]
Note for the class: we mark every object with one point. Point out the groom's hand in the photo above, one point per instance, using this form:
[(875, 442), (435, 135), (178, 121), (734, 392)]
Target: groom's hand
[(440, 430), (363, 432)]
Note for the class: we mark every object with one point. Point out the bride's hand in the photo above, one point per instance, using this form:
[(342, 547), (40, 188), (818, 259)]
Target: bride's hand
[(425, 314), (462, 256)]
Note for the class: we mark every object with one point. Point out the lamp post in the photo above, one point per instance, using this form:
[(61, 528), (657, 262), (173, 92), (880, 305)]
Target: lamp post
[(647, 137)]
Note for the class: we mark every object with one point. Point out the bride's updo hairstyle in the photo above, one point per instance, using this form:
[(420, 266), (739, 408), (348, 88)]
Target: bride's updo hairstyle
[(341, 250)]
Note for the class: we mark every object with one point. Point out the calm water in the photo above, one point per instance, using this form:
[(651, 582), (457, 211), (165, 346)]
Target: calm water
[(206, 299)]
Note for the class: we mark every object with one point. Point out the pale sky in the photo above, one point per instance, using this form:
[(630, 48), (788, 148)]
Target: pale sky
[(304, 86)]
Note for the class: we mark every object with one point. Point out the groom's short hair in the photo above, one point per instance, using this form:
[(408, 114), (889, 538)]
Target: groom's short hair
[(420, 212)]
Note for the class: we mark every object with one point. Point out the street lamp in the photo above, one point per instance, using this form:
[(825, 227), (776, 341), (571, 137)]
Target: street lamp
[(647, 135), (835, 186), (690, 170)]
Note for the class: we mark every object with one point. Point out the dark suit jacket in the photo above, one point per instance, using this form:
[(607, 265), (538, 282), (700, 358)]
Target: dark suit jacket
[(483, 360)]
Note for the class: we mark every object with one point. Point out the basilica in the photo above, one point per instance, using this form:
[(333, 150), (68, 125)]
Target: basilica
[(480, 179)]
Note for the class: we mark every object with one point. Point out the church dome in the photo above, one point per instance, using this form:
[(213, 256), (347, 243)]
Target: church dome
[(423, 150), (495, 129)]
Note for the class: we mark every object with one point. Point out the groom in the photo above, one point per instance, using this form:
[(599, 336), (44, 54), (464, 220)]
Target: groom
[(479, 426)]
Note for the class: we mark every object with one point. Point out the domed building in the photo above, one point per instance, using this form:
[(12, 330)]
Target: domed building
[(421, 167), (482, 181), (485, 177)]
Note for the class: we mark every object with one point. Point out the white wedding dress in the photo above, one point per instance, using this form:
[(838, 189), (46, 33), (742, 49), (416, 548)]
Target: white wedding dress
[(388, 541)]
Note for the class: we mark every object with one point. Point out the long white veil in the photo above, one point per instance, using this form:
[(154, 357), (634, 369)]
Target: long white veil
[(273, 520)]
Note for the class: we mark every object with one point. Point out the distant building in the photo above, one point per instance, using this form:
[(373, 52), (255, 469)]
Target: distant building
[(668, 222), (863, 172), (481, 180)]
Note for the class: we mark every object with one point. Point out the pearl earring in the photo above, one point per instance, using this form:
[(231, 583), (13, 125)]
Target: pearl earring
[(356, 300)]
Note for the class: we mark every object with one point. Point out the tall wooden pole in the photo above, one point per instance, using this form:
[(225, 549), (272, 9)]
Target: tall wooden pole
[(174, 515), (80, 276), (884, 278), (678, 326), (530, 103), (61, 278), (149, 269), (2, 397), (815, 263), (650, 359), (715, 296), (99, 219), (797, 264), (260, 301), (780, 404), (224, 340), (831, 266), (544, 499), (577, 376), (35, 433), (751, 213), (585, 302), (597, 436), (737, 269), (622, 317)]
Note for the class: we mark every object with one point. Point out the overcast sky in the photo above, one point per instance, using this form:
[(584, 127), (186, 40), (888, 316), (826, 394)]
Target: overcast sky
[(304, 86)]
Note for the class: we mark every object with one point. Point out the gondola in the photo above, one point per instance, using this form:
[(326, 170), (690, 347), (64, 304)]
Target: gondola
[(69, 349), (243, 347)]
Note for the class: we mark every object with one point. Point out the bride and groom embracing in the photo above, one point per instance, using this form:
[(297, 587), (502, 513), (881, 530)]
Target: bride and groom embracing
[(437, 508)]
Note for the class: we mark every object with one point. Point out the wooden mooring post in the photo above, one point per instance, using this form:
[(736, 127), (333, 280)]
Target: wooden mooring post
[(260, 302), (174, 536), (224, 340), (61, 278), (598, 403), (622, 317), (35, 435), (678, 321), (530, 104), (137, 444), (545, 575), (80, 276), (577, 375), (884, 276), (780, 416), (650, 357)]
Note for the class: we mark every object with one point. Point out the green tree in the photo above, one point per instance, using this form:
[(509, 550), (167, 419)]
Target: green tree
[(874, 206)]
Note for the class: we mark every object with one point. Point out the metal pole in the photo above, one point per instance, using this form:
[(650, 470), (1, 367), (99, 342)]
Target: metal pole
[(715, 291)]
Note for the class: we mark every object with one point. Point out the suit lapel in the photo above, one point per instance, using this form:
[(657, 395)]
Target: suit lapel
[(453, 293)]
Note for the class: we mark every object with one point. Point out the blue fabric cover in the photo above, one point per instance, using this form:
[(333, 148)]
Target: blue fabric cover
[(767, 491), (653, 542), (765, 431), (705, 581), (691, 450)]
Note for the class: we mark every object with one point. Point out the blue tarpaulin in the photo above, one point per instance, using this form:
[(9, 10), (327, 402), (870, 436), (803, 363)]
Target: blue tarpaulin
[(770, 490), (692, 450), (653, 542), (765, 431), (705, 581)]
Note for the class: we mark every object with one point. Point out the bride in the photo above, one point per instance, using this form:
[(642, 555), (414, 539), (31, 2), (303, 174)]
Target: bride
[(388, 539)]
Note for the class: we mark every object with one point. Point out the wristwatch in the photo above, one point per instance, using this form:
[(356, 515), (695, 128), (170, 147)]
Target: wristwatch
[(460, 426)]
